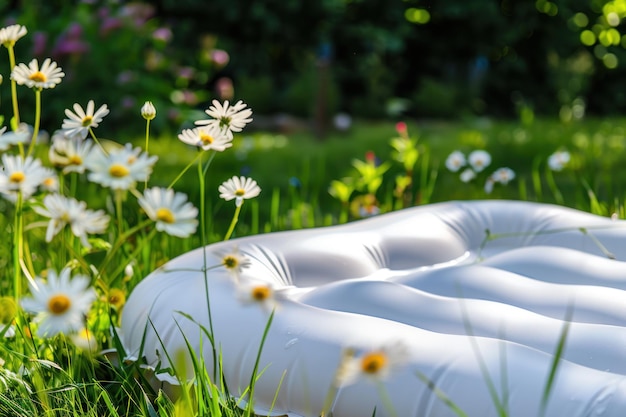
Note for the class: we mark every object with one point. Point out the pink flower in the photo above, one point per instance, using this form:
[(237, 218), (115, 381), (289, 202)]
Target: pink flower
[(401, 129), (220, 57)]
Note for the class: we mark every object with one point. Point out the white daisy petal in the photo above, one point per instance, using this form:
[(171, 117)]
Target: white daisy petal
[(171, 211), (239, 189), (60, 304), (479, 160), (121, 169), (32, 76), (227, 118)]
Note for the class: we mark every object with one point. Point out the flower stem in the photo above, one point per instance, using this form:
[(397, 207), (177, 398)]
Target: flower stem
[(33, 140), (185, 170), (17, 248), (145, 185), (95, 139), (233, 222), (118, 211), (16, 109), (203, 238)]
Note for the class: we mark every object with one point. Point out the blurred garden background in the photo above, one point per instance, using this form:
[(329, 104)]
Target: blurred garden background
[(328, 80)]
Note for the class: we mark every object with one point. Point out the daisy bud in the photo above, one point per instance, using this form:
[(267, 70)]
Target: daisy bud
[(148, 111)]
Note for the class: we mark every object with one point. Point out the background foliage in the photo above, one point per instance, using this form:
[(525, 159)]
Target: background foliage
[(368, 58)]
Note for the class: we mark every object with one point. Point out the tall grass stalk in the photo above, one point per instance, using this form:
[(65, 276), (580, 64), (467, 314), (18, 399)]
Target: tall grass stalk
[(33, 140)]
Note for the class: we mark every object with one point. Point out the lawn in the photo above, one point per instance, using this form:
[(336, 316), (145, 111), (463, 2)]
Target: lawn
[(295, 169)]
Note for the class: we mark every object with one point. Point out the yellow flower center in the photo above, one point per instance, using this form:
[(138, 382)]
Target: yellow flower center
[(59, 304), (206, 138), (117, 297), (240, 192), (118, 171), (75, 160), (17, 176), (230, 262), (48, 182), (131, 159), (165, 215), (261, 293), (38, 77), (87, 121), (373, 362)]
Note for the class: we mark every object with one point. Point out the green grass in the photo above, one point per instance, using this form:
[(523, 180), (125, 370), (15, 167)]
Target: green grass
[(295, 170)]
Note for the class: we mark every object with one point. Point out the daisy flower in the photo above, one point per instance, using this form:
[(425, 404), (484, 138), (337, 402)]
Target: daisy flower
[(121, 169), (148, 111), (226, 117), (557, 160), (69, 153), (235, 262), (63, 211), (80, 121), (375, 365), (479, 160), (11, 34), (503, 175), (20, 176), (171, 211), (260, 293), (51, 182), (85, 340), (239, 188), (489, 183), (48, 76), (209, 137), (116, 297), (61, 303), (467, 175), (455, 161)]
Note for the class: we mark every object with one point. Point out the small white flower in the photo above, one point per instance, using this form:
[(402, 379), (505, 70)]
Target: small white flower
[(260, 293), (148, 111), (489, 185), (171, 211), (64, 211), (239, 188), (11, 34), (51, 182), (61, 303), (121, 169), (226, 117), (80, 121), (235, 262), (455, 161), (479, 160), (467, 175), (375, 365), (69, 153), (209, 137), (8, 139), (20, 176), (503, 175), (85, 340), (48, 76), (558, 160)]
